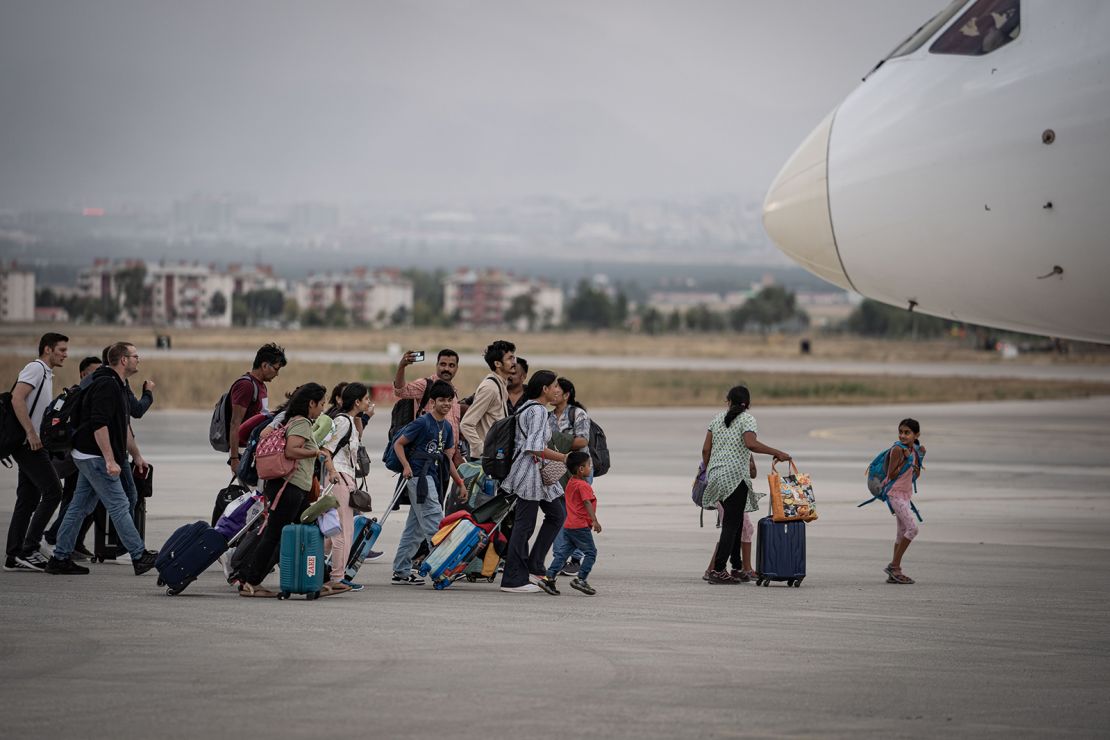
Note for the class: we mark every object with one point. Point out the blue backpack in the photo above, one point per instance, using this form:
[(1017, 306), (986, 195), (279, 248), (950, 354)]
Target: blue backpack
[(247, 474), (879, 485)]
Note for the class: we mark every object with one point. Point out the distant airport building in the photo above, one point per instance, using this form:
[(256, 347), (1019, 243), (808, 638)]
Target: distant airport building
[(379, 298), (17, 294), (668, 302), (485, 299), (250, 278)]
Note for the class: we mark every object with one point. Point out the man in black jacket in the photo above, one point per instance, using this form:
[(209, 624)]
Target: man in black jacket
[(100, 445)]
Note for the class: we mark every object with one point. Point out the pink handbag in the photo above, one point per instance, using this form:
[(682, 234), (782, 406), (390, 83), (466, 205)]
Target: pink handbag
[(269, 457)]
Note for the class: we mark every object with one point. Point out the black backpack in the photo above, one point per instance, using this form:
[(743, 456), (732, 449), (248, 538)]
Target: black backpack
[(12, 435), (599, 447), (499, 447), (58, 421), (405, 411)]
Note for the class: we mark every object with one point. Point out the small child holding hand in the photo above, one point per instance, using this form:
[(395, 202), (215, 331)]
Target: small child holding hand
[(581, 518)]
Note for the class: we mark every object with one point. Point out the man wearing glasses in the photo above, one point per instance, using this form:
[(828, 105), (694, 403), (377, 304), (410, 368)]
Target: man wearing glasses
[(101, 441)]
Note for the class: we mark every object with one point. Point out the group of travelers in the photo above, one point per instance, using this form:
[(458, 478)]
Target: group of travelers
[(551, 471), (94, 461)]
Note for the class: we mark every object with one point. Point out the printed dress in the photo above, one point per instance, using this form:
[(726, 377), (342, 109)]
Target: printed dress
[(729, 461), (533, 432)]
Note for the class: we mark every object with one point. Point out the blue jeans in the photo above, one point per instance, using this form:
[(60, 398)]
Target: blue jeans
[(423, 522), (561, 541), (578, 540), (94, 483)]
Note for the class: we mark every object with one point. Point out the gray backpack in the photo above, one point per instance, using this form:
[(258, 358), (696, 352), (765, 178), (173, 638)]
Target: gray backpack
[(218, 428)]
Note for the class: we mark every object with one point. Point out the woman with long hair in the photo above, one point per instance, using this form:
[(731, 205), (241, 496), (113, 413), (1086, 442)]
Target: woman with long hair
[(524, 569), (287, 496), (727, 454)]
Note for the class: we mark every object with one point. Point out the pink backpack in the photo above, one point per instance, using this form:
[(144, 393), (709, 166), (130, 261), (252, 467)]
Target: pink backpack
[(269, 456)]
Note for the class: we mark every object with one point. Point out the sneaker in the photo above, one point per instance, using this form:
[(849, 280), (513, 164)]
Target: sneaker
[(547, 584), (527, 588), (81, 553), (409, 580), (571, 568), (579, 585), (721, 576), (740, 575), (373, 555), (66, 567), (35, 558), (705, 575), (16, 565), (144, 563), (354, 586)]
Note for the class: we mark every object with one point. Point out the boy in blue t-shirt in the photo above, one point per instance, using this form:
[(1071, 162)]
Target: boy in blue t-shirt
[(422, 447), (581, 518)]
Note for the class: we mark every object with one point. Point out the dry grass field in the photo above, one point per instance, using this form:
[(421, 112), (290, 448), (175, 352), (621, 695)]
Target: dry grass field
[(197, 384)]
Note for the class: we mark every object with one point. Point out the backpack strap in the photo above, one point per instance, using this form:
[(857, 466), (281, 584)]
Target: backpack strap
[(424, 398), (347, 436)]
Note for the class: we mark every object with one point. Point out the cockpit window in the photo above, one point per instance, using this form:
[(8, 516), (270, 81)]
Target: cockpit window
[(987, 25), (918, 38)]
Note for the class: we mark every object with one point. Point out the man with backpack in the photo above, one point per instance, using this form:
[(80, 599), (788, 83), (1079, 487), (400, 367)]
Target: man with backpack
[(490, 397), (101, 440), (247, 397), (38, 490)]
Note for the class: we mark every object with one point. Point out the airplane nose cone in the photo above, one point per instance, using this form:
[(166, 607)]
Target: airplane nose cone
[(796, 211)]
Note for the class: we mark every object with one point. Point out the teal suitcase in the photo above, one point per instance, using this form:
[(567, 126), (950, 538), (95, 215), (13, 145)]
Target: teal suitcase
[(302, 561)]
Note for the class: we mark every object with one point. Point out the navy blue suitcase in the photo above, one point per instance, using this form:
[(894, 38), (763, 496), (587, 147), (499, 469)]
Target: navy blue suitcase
[(780, 552), (187, 553)]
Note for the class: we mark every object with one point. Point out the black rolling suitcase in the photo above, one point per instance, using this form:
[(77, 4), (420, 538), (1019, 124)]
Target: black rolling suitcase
[(780, 552), (106, 544)]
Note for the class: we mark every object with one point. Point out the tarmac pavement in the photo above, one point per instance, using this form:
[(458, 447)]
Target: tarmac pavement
[(1004, 634)]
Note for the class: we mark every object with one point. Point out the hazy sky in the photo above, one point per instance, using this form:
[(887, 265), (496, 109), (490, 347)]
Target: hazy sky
[(103, 101)]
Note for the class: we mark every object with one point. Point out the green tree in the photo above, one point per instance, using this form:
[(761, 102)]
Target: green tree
[(427, 296), (313, 318), (400, 317), (590, 308), (774, 306), (875, 319), (130, 281), (290, 310), (522, 306), (336, 315), (651, 321), (217, 304)]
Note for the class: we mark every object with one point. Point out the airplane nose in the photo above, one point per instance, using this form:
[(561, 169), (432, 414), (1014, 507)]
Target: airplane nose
[(796, 211)]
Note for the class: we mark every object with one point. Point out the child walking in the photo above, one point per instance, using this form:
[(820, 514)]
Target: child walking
[(581, 518), (903, 468)]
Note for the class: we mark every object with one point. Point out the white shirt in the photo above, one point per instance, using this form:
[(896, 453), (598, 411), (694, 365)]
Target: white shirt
[(37, 374), (343, 458)]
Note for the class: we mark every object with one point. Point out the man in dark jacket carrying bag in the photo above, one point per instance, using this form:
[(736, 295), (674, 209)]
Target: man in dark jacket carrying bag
[(101, 441)]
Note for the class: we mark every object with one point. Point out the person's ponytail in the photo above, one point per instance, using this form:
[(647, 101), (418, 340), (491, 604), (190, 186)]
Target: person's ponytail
[(739, 399)]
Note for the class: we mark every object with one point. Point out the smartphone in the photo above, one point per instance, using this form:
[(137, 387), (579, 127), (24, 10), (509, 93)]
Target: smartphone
[(418, 356)]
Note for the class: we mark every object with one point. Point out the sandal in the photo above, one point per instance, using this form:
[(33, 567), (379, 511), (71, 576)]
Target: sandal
[(245, 589), (332, 587), (895, 575)]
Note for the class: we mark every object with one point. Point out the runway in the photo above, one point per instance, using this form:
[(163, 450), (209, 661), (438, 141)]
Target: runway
[(1003, 635)]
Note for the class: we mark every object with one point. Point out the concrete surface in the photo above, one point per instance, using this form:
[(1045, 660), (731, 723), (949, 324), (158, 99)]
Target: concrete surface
[(1004, 634)]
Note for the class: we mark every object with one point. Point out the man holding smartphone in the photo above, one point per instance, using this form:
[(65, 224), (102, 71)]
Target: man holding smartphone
[(447, 366)]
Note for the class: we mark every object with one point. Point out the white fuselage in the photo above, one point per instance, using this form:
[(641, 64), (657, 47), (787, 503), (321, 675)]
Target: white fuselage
[(957, 183)]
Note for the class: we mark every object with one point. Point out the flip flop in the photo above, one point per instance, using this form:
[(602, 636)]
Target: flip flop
[(331, 589), (257, 592)]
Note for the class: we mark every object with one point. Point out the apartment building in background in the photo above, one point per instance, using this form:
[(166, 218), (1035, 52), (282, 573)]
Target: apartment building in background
[(17, 294), (374, 298), (189, 294), (483, 299)]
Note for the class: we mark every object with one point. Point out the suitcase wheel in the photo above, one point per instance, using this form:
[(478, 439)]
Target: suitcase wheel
[(766, 582), (173, 591), (471, 578), (790, 583), (161, 582), (283, 595), (798, 583), (312, 596)]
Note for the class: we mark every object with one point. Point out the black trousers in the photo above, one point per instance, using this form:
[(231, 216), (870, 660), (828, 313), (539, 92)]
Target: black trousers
[(728, 546), (519, 562), (37, 494), (290, 506)]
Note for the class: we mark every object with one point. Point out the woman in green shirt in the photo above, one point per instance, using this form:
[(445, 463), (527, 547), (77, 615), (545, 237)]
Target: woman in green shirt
[(304, 407), (727, 454)]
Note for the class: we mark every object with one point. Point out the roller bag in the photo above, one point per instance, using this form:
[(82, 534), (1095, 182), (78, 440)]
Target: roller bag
[(366, 532), (106, 542), (453, 553), (302, 561), (191, 550), (780, 552)]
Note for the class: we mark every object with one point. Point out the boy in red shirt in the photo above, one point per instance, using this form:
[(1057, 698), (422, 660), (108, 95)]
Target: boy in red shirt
[(581, 517)]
